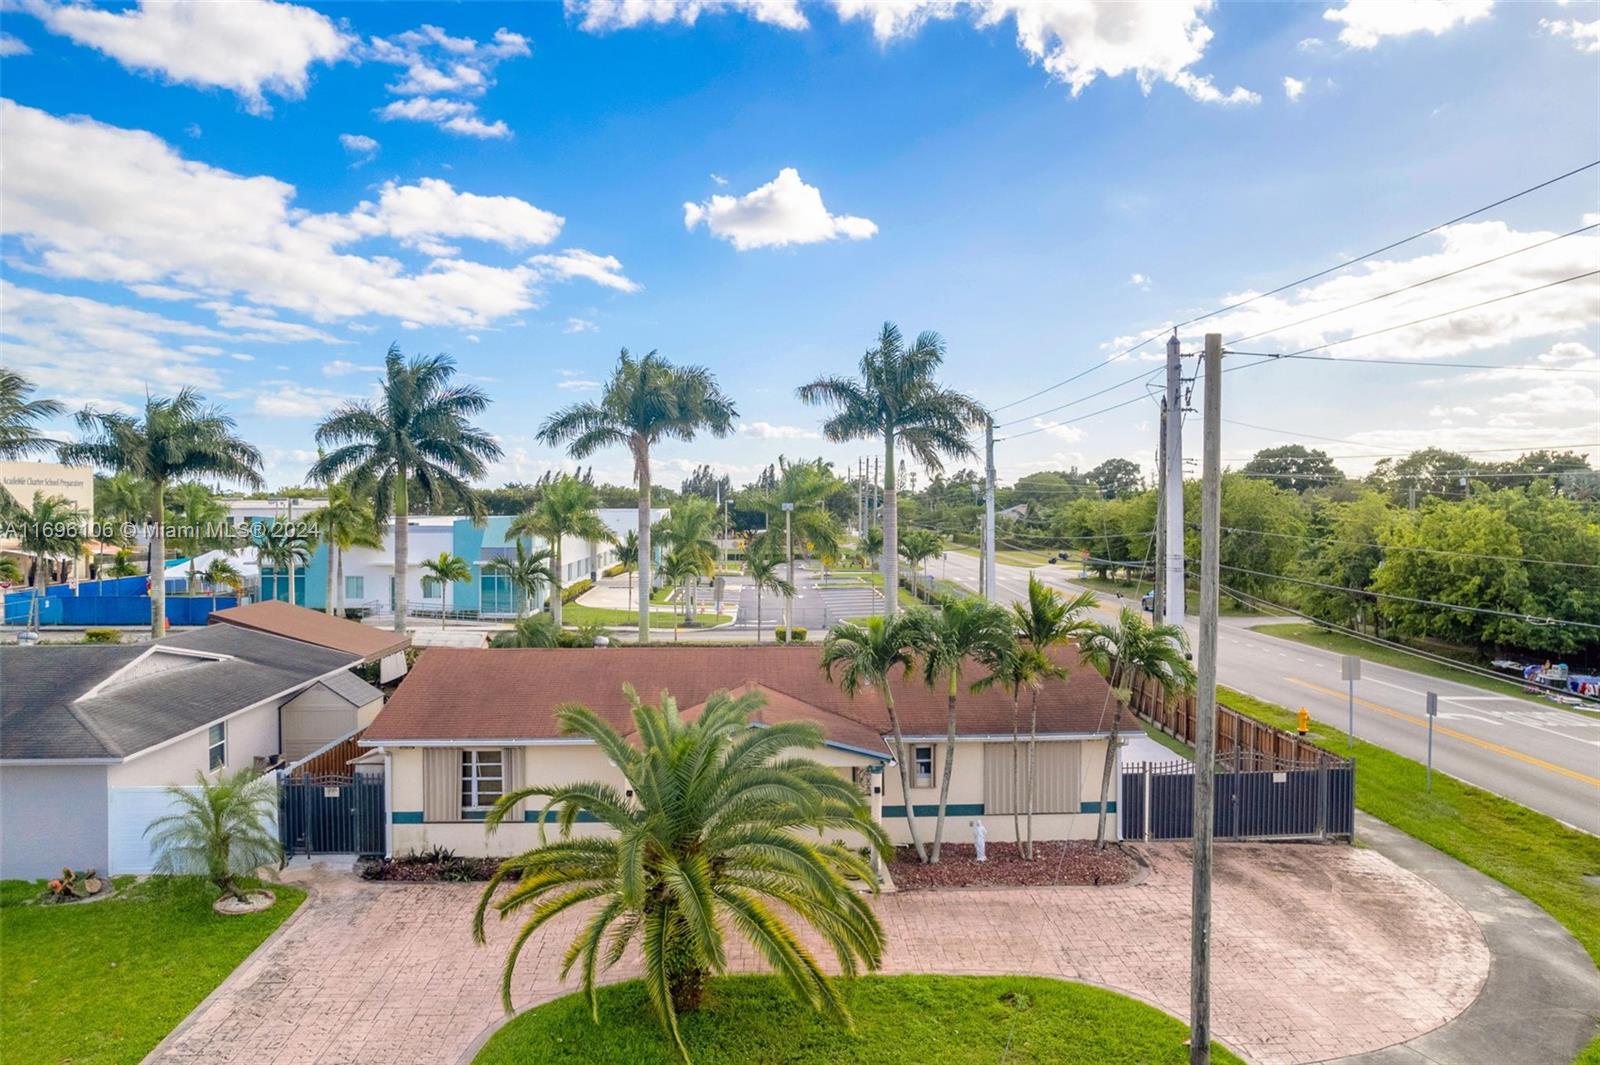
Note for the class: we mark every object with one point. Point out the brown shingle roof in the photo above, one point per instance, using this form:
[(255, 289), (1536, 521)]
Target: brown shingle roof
[(313, 626), (505, 694)]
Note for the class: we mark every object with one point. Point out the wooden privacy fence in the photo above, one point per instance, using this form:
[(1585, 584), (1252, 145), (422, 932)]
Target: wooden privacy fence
[(332, 760), (1250, 745)]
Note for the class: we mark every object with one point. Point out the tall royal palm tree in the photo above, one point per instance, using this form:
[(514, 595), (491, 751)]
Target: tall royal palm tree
[(689, 533), (1122, 652), (897, 399), (286, 546), (1045, 620), (647, 400), (175, 437), (965, 628), (203, 524), (415, 437), (21, 417), (723, 826), (628, 556), (764, 568), (865, 655), (222, 573), (344, 521), (565, 507), (446, 570), (526, 570)]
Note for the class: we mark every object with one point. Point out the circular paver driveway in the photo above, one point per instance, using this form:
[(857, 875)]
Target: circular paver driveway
[(1320, 952)]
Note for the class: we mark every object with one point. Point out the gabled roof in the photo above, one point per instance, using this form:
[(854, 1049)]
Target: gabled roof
[(779, 707), (113, 701), (512, 694), (351, 688), (315, 627)]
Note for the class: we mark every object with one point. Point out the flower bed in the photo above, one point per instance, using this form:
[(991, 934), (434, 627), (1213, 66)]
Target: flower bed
[(1056, 863), (438, 864)]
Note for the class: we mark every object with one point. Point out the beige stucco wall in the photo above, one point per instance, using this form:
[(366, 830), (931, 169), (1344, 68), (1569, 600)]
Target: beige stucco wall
[(251, 733), (313, 719)]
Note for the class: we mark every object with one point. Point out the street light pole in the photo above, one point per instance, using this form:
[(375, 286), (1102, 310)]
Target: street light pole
[(788, 540)]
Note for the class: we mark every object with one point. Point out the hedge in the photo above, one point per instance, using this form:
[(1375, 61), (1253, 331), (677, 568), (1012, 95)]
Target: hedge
[(797, 634), (575, 589)]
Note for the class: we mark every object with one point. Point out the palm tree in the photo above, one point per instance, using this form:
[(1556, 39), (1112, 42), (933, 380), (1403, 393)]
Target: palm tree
[(1046, 620), (540, 630), (444, 571), (682, 569), (415, 437), (871, 543), (202, 528), (919, 545), (346, 520), (177, 437), (689, 533), (50, 528), (897, 398), (965, 628), (1016, 666), (526, 571), (286, 546), (1123, 651), (628, 555), (646, 401), (566, 507), (20, 417), (866, 656), (722, 826), (122, 564), (222, 573), (223, 829), (10, 572), (761, 564)]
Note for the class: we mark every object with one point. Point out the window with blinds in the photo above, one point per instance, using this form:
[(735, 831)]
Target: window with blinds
[(1055, 782)]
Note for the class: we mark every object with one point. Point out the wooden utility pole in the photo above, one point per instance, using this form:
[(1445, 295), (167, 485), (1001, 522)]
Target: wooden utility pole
[(1205, 726), (988, 510), (1159, 604), (1173, 514)]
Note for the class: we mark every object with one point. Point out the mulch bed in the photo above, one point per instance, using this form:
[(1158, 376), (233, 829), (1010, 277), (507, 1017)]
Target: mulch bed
[(1055, 863)]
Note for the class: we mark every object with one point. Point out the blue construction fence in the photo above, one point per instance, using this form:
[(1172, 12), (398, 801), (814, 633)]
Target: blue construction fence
[(113, 601)]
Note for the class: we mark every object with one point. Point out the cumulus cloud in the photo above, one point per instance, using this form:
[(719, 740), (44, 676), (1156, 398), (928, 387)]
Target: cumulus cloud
[(577, 384), (1585, 36), (11, 45), (457, 116), (432, 208), (1365, 23), (783, 211), (601, 269), (249, 47), (286, 399), (342, 368), (598, 16), (1139, 280), (769, 431), (444, 75), (580, 325), (360, 146), (1293, 88)]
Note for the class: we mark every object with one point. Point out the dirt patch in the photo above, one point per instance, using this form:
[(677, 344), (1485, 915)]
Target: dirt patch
[(1063, 862)]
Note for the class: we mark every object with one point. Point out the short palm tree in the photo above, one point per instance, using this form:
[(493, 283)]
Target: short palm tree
[(222, 573), (723, 827), (865, 655), (628, 555), (1122, 652), (647, 400), (764, 568), (175, 437), (222, 829), (10, 572), (1015, 667), (50, 528), (415, 437), (919, 545), (897, 399), (122, 564), (565, 507), (202, 527), (526, 570), (444, 571), (286, 546), (682, 569), (1046, 620), (871, 543), (121, 500), (344, 521), (21, 417), (689, 535), (537, 630), (965, 628)]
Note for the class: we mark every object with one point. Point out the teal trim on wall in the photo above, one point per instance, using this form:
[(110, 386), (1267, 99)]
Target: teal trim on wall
[(407, 817), (550, 818), (466, 540), (1094, 807), (955, 809)]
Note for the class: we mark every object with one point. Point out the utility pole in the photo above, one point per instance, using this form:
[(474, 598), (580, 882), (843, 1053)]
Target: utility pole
[(1172, 419), (788, 542), (988, 510), (1205, 727), (1158, 611)]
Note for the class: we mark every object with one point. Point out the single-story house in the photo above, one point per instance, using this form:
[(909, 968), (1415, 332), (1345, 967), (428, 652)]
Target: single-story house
[(468, 725), (92, 735)]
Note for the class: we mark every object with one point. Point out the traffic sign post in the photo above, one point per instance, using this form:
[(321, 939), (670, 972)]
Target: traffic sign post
[(1433, 712), (1350, 672)]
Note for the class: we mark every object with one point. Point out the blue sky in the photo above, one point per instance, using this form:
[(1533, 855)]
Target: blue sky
[(233, 196)]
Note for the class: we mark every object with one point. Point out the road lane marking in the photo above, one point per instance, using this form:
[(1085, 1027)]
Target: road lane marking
[(1487, 745)]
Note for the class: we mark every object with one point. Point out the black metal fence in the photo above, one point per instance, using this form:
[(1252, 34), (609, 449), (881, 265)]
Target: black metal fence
[(1299, 800), (341, 814)]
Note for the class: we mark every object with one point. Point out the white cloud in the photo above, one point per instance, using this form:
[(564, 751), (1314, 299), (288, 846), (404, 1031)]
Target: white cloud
[(718, 179), (457, 116), (783, 211), (286, 399), (241, 356), (769, 431), (249, 47), (1293, 88), (602, 15), (11, 45), (1585, 36), (443, 75), (194, 131), (262, 323), (575, 262), (342, 367), (1139, 280), (577, 384), (580, 325), (144, 215), (1070, 434), (1365, 23), (360, 146)]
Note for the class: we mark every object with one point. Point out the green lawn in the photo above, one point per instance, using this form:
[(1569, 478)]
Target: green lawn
[(578, 614), (105, 982), (961, 1020)]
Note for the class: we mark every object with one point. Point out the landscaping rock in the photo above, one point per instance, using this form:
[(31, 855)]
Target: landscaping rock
[(259, 900)]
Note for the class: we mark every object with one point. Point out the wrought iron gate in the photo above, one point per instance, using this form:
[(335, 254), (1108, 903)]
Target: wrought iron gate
[(341, 814), (1297, 800)]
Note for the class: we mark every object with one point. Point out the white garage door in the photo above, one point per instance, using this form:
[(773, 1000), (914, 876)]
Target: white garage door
[(129, 813)]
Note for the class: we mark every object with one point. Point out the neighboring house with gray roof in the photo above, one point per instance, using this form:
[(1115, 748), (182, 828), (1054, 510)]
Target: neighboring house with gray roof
[(92, 735)]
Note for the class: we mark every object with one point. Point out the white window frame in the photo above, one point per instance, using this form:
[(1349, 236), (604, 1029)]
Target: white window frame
[(472, 778), (360, 587), (217, 747), (918, 778)]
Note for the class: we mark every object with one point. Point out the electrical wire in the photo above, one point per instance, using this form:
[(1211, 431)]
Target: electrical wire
[(1358, 443), (1084, 398), (1069, 421), (1401, 547)]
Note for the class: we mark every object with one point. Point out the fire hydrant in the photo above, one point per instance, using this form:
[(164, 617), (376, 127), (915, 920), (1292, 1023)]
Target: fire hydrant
[(1304, 725)]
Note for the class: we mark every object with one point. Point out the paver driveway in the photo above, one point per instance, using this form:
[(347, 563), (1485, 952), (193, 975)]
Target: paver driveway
[(1320, 952)]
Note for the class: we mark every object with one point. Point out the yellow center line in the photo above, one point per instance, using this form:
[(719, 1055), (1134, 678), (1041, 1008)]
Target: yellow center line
[(1445, 730)]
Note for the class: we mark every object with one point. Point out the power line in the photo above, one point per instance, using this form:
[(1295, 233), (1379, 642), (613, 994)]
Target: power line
[(1069, 421), (1359, 443), (1402, 547), (1300, 281), (1081, 399)]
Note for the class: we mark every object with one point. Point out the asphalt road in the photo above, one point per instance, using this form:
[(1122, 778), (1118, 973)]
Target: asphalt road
[(1545, 758)]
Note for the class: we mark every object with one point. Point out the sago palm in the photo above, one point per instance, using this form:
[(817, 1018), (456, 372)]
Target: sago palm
[(287, 547), (444, 571), (1122, 652), (222, 830), (565, 507), (723, 828), (416, 436), (897, 399), (865, 655), (174, 437), (764, 568), (646, 400), (526, 570)]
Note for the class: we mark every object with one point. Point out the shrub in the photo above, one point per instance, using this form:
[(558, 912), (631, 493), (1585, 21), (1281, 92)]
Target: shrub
[(780, 634), (797, 635), (575, 589), (102, 636), (436, 863), (614, 570)]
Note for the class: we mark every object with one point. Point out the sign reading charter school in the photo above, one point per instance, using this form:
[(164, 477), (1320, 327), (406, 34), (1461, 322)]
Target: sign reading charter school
[(75, 483)]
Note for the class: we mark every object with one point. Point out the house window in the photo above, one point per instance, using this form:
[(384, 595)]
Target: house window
[(922, 766), (217, 746), (355, 588), (430, 588), (482, 779)]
